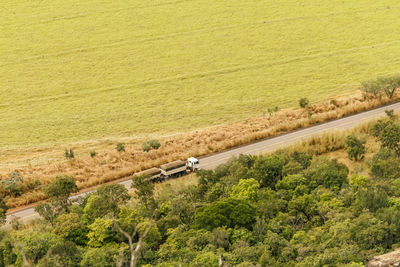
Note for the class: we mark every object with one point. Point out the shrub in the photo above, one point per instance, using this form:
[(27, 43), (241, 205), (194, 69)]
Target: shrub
[(120, 147), (390, 113), (303, 102), (355, 147), (155, 144), (385, 164), (93, 154), (303, 158), (3, 211), (390, 137), (69, 154), (13, 186), (146, 147), (151, 144), (272, 110), (387, 85)]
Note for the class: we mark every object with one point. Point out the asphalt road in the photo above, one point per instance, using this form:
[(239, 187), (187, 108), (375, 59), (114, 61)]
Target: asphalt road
[(210, 162)]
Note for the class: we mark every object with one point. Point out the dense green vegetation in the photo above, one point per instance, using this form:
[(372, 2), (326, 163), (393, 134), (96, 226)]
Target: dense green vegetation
[(119, 68), (275, 210)]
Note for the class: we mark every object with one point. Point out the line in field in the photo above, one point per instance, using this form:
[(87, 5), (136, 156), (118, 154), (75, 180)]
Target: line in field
[(82, 15), (223, 71), (173, 35)]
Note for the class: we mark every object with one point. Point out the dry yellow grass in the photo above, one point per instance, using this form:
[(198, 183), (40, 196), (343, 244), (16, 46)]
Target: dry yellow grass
[(111, 165)]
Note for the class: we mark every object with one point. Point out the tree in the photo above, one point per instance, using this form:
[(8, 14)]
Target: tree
[(64, 253), (292, 167), (115, 193), (385, 164), (302, 158), (120, 147), (144, 190), (220, 238), (390, 113), (139, 230), (70, 227), (303, 102), (100, 232), (387, 85), (49, 211), (98, 207), (355, 147), (390, 84), (304, 205), (69, 154), (205, 259), (371, 233), (13, 186), (246, 189), (3, 211), (291, 182), (61, 189), (330, 174), (105, 201), (33, 245), (106, 256), (58, 193), (146, 147), (268, 170), (227, 212), (390, 137), (154, 143)]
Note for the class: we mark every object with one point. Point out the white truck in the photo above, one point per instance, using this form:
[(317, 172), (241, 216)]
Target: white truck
[(170, 170)]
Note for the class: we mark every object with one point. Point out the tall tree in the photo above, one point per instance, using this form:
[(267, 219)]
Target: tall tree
[(355, 147), (3, 211), (58, 193), (128, 224), (144, 190)]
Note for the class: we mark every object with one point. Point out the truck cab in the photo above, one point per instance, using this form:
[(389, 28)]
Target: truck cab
[(193, 164)]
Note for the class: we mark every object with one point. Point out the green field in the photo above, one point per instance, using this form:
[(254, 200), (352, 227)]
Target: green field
[(83, 70)]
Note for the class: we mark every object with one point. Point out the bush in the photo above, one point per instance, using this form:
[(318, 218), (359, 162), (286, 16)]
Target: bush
[(151, 144), (69, 154), (146, 147), (385, 164), (13, 186), (389, 113), (387, 85), (155, 144), (120, 147), (272, 110), (303, 102), (93, 154), (303, 158), (355, 147)]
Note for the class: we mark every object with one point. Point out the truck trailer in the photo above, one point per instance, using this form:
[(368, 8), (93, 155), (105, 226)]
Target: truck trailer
[(173, 169)]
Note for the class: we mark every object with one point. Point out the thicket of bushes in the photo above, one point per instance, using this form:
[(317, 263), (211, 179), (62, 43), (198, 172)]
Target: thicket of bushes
[(382, 85)]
